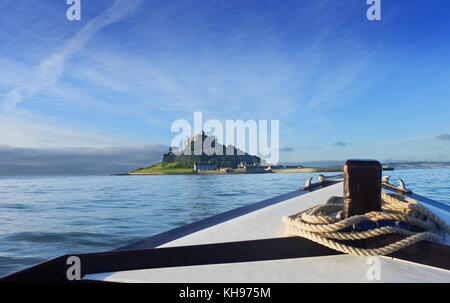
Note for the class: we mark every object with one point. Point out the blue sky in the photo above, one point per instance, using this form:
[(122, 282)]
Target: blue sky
[(340, 85)]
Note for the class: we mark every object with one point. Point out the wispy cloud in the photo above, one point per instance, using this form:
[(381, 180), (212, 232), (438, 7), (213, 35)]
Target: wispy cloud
[(28, 130), (444, 137), (331, 88), (51, 69), (340, 143), (286, 149)]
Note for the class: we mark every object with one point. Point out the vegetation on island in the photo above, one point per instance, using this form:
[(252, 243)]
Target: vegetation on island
[(161, 167)]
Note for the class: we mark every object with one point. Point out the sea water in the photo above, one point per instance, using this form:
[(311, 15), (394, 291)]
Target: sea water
[(45, 217)]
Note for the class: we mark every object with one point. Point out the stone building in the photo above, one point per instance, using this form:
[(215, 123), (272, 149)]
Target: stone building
[(202, 166)]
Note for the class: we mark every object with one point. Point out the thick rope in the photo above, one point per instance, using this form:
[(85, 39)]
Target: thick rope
[(317, 224)]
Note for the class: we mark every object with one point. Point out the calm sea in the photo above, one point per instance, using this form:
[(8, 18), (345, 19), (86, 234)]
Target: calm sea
[(45, 217)]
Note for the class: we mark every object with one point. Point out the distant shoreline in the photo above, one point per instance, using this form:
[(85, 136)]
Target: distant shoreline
[(243, 171), (317, 168)]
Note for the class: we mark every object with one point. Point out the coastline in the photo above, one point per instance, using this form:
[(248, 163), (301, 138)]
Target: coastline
[(244, 171)]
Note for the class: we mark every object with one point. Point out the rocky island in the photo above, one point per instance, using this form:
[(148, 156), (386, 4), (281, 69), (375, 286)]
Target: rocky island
[(229, 160)]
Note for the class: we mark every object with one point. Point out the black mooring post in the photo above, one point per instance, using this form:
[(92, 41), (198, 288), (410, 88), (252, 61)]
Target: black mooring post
[(362, 187)]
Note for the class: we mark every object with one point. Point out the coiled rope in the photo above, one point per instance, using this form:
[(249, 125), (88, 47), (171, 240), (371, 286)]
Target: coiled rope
[(317, 224)]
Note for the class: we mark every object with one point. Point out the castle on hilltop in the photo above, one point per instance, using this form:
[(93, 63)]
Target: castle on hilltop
[(230, 156), (190, 141)]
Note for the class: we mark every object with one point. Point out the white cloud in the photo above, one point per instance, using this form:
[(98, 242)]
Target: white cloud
[(27, 130), (444, 137), (51, 69)]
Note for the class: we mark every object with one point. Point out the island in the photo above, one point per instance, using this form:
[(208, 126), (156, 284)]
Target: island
[(231, 160)]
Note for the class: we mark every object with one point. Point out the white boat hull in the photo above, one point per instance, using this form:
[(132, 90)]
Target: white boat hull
[(266, 223)]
